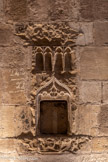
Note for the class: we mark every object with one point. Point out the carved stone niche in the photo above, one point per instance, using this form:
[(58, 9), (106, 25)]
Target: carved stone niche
[(54, 89), (56, 98)]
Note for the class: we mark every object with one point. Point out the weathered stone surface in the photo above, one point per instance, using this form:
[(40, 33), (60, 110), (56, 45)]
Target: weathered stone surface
[(7, 127), (5, 34), (22, 120), (90, 92), (39, 10), (87, 120), (49, 10), (15, 10), (6, 147), (13, 57), (94, 63), (86, 32), (105, 92), (17, 123), (94, 9), (92, 120), (74, 10), (101, 33), (14, 86), (100, 144), (1, 9), (1, 77), (103, 120), (67, 158)]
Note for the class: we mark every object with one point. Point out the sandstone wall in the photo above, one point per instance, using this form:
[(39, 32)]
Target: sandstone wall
[(90, 18)]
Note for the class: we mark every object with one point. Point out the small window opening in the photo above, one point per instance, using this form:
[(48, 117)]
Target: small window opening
[(53, 117)]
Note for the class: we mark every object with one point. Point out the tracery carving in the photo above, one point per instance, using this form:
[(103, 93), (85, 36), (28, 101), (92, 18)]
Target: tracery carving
[(57, 59), (54, 90), (53, 78)]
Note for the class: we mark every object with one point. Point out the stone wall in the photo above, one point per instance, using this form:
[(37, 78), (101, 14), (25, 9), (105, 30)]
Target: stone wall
[(17, 118)]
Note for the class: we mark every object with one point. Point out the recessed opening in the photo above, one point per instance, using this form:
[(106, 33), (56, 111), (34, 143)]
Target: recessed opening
[(53, 117)]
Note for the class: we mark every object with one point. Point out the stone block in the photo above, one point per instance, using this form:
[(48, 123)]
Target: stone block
[(14, 86), (103, 120), (6, 147), (13, 57), (7, 126), (87, 120), (105, 92), (83, 120), (5, 34), (101, 33), (94, 9), (1, 81), (86, 30), (90, 92), (100, 144), (15, 10), (14, 121), (94, 63), (86, 9), (1, 10), (74, 10), (22, 120), (49, 10)]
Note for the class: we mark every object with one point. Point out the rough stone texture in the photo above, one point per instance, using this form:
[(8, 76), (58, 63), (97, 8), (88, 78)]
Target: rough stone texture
[(22, 120), (94, 9), (49, 10), (86, 32), (16, 57), (93, 63), (100, 144), (15, 10), (5, 34), (82, 26), (7, 128), (101, 33), (90, 92), (105, 92), (14, 86), (87, 120), (1, 10), (103, 120)]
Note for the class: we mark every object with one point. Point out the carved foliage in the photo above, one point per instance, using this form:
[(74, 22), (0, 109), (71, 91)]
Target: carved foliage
[(57, 145), (59, 34)]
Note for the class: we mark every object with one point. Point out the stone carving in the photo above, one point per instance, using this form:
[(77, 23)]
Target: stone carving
[(55, 34), (53, 79), (54, 90), (56, 145), (56, 60)]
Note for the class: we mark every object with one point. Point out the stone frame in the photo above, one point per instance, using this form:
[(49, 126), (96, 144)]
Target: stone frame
[(50, 92)]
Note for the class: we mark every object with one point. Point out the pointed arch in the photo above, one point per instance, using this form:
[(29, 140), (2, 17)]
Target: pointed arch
[(58, 60), (68, 59), (48, 59), (39, 60)]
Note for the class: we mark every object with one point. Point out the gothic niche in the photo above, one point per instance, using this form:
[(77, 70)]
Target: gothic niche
[(53, 109), (54, 89)]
